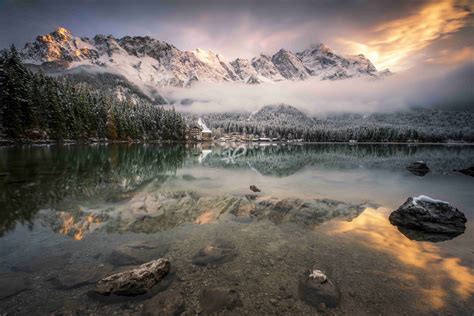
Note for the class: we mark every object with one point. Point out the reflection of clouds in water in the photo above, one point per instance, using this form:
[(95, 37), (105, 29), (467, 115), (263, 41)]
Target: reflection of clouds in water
[(77, 226), (445, 274)]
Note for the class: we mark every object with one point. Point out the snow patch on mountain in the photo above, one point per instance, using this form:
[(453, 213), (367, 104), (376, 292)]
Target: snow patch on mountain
[(152, 64)]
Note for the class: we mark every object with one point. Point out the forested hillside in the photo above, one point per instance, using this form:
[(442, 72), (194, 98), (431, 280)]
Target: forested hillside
[(38, 107), (285, 121)]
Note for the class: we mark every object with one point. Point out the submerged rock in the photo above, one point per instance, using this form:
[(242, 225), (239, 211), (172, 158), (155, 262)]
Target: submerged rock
[(425, 219), (41, 263), (137, 253), (318, 275), (168, 303), (218, 252), (136, 281), (13, 284), (468, 171), (254, 188), (215, 300), (306, 212), (317, 290), (79, 277), (418, 168)]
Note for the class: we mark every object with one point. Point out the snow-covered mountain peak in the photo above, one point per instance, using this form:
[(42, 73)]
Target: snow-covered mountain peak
[(207, 56), (151, 64)]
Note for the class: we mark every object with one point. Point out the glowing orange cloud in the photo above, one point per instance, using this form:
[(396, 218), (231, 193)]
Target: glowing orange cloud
[(396, 41), (374, 230)]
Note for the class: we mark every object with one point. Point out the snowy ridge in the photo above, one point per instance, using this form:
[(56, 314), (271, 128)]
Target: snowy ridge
[(427, 199), (150, 63)]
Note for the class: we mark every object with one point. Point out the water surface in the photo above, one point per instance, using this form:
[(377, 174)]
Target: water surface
[(70, 215)]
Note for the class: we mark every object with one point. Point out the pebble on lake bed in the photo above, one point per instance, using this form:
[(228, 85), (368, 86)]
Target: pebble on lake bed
[(318, 275), (254, 188), (316, 289)]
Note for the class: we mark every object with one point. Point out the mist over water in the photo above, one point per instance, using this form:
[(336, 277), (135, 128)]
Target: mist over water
[(425, 86)]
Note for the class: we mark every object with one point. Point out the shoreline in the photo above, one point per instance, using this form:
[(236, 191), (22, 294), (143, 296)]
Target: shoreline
[(8, 142)]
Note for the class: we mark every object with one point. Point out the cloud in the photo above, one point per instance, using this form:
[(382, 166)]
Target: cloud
[(450, 56), (393, 33), (393, 44), (436, 86)]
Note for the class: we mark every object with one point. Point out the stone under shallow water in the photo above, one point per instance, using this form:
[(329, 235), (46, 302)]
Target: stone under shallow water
[(78, 277), (216, 253), (215, 300), (426, 219), (316, 290), (418, 168), (254, 188), (13, 284), (137, 253), (468, 171), (136, 281), (168, 303)]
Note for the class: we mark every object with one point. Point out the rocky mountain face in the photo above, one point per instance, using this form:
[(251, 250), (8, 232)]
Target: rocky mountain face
[(149, 63)]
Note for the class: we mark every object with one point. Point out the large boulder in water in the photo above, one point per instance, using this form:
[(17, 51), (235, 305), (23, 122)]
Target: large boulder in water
[(418, 168), (136, 281), (425, 219)]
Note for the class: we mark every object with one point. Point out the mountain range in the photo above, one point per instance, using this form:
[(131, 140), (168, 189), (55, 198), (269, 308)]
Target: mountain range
[(151, 64)]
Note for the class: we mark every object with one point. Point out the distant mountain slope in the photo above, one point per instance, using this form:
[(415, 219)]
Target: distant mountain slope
[(150, 64), (285, 121), (279, 114)]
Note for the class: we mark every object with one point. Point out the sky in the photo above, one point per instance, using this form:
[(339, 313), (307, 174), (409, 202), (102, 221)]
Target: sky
[(428, 44), (393, 34)]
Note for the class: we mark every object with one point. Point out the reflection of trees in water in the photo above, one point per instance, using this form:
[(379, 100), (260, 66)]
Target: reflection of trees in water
[(285, 160), (40, 177)]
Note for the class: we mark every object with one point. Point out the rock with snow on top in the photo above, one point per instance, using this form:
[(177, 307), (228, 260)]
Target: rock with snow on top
[(424, 218)]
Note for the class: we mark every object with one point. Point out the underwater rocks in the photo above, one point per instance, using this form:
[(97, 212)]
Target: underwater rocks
[(425, 219), (215, 300), (254, 188), (418, 168), (306, 212), (317, 290), (468, 171), (137, 253), (42, 262), (167, 303), (78, 277), (216, 253), (13, 284), (164, 210), (136, 281)]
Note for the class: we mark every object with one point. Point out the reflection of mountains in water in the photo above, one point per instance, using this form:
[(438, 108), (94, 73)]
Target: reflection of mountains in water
[(32, 178), (151, 212), (284, 160), (43, 177)]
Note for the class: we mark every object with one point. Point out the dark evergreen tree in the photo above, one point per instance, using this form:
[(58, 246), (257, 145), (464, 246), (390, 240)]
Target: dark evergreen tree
[(33, 105)]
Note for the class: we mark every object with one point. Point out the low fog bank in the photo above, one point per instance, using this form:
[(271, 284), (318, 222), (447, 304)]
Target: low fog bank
[(430, 86)]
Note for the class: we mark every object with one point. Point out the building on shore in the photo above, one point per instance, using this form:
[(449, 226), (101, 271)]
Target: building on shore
[(206, 133), (198, 131), (194, 133)]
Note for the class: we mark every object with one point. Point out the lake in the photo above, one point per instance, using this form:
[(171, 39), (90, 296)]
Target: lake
[(71, 215)]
